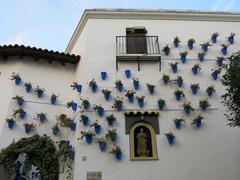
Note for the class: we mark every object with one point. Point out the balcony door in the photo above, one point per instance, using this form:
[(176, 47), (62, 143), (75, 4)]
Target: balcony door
[(136, 41)]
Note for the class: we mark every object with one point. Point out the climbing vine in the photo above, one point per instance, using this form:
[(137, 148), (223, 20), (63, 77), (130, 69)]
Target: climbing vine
[(231, 99)]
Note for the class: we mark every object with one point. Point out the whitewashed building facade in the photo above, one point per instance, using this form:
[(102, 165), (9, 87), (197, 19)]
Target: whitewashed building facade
[(113, 41)]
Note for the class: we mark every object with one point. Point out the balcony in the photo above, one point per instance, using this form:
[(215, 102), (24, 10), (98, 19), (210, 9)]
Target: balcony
[(137, 48)]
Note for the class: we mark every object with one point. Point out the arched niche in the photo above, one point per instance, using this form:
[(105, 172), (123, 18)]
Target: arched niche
[(143, 144)]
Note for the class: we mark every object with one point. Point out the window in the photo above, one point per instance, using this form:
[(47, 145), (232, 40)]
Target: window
[(94, 176)]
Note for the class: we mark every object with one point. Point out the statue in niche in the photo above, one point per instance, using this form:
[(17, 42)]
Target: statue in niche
[(143, 143)]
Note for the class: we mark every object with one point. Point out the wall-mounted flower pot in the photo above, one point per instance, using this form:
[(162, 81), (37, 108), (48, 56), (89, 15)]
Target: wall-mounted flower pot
[(205, 47), (179, 82), (94, 87), (102, 146), (201, 57), (176, 43), (183, 58), (28, 88), (73, 126), (85, 120), (41, 117), (100, 112), (224, 50), (178, 123), (131, 98), (174, 68), (110, 121), (118, 155), (231, 40), (219, 62), (214, 75), (190, 45), (151, 91), (187, 110), (53, 99), (55, 131), (194, 90), (107, 95), (20, 101), (170, 139), (27, 130), (119, 107), (136, 85), (195, 70), (103, 75), (72, 154), (11, 124), (120, 87), (18, 80), (79, 88), (161, 106), (198, 123), (165, 81), (22, 114), (97, 129), (74, 106), (127, 73), (113, 137), (39, 94), (88, 138), (178, 96), (214, 38), (140, 103)]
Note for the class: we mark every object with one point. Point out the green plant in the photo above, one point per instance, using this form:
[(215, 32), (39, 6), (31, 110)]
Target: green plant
[(64, 121), (92, 83), (216, 34), (173, 64), (150, 86), (85, 103), (232, 35), (111, 117), (38, 89), (179, 92), (198, 66), (195, 120), (15, 76), (95, 123), (188, 106), (231, 98), (184, 53), (55, 129), (166, 78), (176, 39), (204, 103), (191, 40), (74, 85), (115, 149), (206, 44), (161, 102), (118, 83), (27, 84), (130, 93), (210, 89), (111, 134), (40, 151), (29, 125), (170, 134), (18, 97), (85, 133), (101, 140), (118, 102), (195, 85), (97, 107), (135, 80), (140, 98), (18, 111), (106, 91), (224, 45)]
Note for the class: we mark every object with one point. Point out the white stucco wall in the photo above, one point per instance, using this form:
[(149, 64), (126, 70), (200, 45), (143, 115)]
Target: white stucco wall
[(206, 153), (210, 152)]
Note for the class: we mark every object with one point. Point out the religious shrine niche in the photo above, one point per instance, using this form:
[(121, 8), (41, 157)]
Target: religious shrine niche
[(143, 144)]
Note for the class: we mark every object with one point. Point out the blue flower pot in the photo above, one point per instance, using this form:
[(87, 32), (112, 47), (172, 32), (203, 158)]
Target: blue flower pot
[(167, 52), (205, 48), (224, 50), (120, 87), (187, 110), (214, 75), (136, 85), (131, 98), (214, 39), (27, 130), (73, 126), (10, 124), (88, 138), (219, 62), (165, 81), (119, 107), (203, 108), (79, 88), (151, 91), (20, 102), (174, 68), (53, 99), (94, 87), (103, 75), (72, 154), (176, 43), (40, 94), (22, 114), (179, 82), (141, 104), (107, 96), (183, 58), (41, 117), (194, 90), (102, 146), (178, 96), (28, 88), (210, 93), (198, 123), (74, 106), (195, 70), (190, 45), (170, 140), (231, 40), (97, 129), (110, 122), (118, 155), (18, 81), (114, 137), (178, 124), (201, 57), (85, 121), (127, 73), (161, 106), (100, 112)]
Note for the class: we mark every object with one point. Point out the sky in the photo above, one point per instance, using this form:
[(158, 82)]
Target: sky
[(49, 24)]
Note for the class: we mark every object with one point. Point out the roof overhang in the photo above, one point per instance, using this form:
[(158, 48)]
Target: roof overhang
[(143, 14)]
